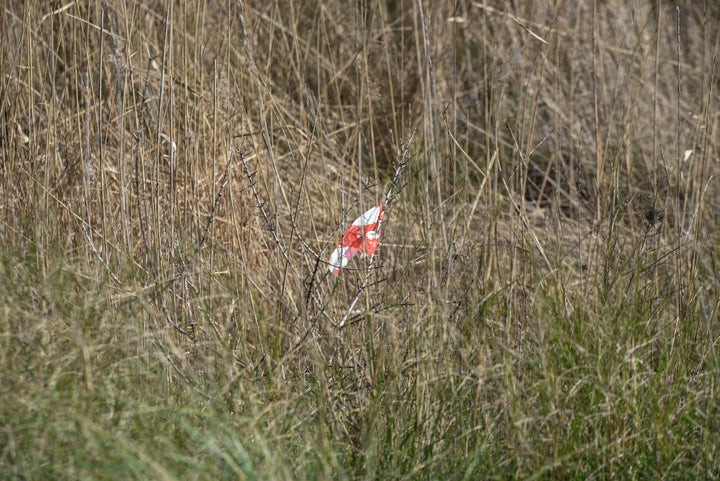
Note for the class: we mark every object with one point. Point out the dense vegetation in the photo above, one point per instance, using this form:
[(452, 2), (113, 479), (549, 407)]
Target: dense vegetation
[(544, 302)]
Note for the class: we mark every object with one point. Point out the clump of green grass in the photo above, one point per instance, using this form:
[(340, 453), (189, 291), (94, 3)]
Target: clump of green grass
[(543, 303)]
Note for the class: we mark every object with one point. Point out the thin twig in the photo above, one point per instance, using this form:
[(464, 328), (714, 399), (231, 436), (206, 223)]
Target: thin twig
[(261, 207), (391, 193), (218, 196)]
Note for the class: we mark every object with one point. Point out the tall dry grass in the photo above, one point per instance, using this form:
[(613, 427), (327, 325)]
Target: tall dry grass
[(544, 301)]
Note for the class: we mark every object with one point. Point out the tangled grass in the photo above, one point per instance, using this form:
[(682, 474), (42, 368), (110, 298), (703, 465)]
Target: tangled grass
[(544, 301)]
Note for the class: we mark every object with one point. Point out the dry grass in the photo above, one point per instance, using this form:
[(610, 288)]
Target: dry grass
[(174, 176)]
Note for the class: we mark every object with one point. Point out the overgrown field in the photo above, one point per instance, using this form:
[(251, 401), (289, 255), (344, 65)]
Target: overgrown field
[(544, 302)]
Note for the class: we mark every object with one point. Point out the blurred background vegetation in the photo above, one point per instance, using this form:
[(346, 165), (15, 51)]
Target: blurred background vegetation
[(174, 176)]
